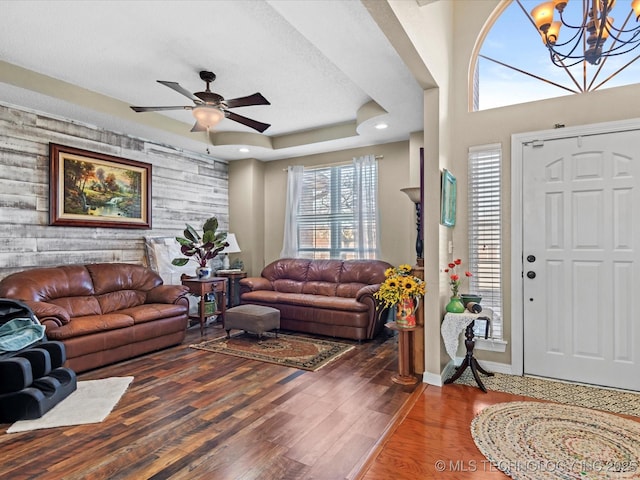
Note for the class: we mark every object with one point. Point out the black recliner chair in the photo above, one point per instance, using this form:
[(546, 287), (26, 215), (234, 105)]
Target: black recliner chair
[(32, 379)]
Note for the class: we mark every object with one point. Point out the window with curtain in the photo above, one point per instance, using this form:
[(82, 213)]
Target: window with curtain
[(485, 231), (336, 212)]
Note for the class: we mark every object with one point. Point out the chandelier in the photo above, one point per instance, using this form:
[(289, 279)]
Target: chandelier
[(595, 37)]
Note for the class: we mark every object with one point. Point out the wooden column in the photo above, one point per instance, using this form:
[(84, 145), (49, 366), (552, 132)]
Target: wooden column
[(405, 375), (418, 334)]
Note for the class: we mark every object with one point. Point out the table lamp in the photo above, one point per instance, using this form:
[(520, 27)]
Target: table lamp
[(233, 247)]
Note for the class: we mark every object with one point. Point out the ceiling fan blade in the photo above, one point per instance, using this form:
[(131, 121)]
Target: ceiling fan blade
[(198, 128), (255, 99), (259, 126), (176, 86), (158, 109)]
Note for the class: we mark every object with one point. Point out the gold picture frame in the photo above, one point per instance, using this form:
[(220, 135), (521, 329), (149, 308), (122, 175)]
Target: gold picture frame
[(90, 189)]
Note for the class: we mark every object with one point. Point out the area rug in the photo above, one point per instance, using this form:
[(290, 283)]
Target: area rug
[(539, 441), (92, 402), (611, 400), (288, 350)]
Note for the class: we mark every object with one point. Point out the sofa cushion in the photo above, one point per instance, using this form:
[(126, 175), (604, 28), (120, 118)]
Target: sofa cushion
[(327, 289), (363, 271), (287, 268), (324, 271), (153, 311), (89, 324), (113, 277), (79, 306), (45, 284), (119, 300), (349, 289), (288, 286), (306, 300)]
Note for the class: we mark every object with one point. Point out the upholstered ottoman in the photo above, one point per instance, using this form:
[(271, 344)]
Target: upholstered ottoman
[(252, 318)]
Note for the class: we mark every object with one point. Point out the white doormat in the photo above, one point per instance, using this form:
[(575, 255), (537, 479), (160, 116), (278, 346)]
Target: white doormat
[(92, 401)]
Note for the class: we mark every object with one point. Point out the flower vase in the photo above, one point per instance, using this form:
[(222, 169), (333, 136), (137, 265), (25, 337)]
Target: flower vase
[(455, 305), (406, 313), (204, 272)]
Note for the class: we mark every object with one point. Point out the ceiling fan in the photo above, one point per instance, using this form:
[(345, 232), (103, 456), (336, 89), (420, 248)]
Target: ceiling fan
[(210, 107)]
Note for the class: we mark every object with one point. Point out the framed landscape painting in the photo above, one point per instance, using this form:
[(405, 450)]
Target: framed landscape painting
[(448, 199), (89, 189)]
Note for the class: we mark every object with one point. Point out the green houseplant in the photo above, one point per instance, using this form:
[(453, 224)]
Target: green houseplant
[(201, 248)]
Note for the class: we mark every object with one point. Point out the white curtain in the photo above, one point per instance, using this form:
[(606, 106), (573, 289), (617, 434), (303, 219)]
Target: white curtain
[(294, 192), (367, 233)]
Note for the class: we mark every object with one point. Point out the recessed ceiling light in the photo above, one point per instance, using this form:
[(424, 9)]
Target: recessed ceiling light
[(243, 150), (381, 126)]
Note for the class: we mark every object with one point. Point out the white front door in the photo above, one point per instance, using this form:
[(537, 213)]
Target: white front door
[(581, 259)]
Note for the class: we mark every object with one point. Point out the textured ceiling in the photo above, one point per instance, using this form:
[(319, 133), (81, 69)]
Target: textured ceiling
[(318, 63)]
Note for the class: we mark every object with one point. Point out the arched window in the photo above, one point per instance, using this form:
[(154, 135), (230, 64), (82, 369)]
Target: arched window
[(511, 63)]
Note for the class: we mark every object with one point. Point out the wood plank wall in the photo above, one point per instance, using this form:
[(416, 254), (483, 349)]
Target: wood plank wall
[(186, 187)]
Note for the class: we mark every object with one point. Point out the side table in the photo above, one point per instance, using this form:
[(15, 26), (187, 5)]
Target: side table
[(233, 276), (451, 326), (404, 375), (201, 287)]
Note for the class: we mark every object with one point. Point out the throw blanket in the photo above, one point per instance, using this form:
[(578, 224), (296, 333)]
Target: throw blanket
[(19, 333)]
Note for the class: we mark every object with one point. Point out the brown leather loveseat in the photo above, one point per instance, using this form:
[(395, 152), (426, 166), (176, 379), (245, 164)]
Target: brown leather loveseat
[(103, 312), (325, 297)]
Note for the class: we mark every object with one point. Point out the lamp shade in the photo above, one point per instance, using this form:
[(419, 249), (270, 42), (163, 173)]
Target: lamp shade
[(233, 246), (413, 193), (543, 15), (207, 116)]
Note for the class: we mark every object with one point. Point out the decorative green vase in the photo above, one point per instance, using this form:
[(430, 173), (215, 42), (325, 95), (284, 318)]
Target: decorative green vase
[(455, 305)]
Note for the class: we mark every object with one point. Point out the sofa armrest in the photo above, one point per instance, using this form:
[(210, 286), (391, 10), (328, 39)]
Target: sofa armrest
[(48, 313), (365, 295), (251, 284), (366, 292), (166, 294), (377, 312)]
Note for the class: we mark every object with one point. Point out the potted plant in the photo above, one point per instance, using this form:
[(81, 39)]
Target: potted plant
[(201, 249), (403, 290), (455, 304)]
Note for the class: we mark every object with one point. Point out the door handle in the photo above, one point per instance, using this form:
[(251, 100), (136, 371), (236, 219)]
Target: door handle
[(531, 274), (531, 258)]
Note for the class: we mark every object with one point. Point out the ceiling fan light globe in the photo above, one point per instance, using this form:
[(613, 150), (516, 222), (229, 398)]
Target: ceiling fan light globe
[(207, 116)]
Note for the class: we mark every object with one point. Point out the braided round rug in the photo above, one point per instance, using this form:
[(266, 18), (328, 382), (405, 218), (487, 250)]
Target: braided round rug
[(539, 441)]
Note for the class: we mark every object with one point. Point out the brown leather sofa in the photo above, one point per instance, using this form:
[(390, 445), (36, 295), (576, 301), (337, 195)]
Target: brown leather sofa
[(325, 297), (103, 312)]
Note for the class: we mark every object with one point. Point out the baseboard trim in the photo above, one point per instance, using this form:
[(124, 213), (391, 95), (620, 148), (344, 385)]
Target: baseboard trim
[(494, 367), (449, 370), (433, 379)]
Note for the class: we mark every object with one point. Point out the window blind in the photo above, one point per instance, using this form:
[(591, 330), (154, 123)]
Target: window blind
[(326, 212), (485, 228)]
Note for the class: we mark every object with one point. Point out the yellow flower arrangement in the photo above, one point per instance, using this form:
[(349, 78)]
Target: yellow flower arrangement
[(399, 283)]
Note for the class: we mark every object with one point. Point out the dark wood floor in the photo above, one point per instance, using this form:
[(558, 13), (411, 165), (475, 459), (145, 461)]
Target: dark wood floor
[(192, 414)]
